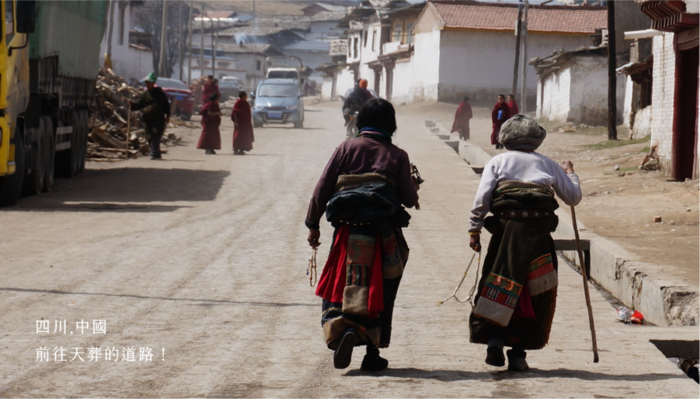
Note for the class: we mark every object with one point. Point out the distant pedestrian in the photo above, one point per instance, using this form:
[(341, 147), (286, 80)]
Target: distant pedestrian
[(209, 88), (210, 139), (499, 115), (517, 291), (241, 116), (156, 113), (512, 106), (313, 87), (462, 117)]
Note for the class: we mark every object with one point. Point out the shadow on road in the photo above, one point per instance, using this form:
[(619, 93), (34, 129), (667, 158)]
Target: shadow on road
[(460, 375), (198, 302), (127, 189)]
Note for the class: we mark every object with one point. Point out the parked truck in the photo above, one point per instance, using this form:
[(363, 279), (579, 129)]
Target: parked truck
[(49, 58)]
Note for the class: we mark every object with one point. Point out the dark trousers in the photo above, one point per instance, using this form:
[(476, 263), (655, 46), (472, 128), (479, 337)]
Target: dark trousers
[(154, 144)]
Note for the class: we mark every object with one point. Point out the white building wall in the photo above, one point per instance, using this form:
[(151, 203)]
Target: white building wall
[(662, 96), (588, 99), (629, 96), (426, 67), (369, 54), (345, 81), (127, 62), (326, 88), (479, 63), (402, 92), (578, 93)]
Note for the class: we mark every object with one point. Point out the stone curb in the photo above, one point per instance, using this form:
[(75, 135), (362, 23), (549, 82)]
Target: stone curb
[(648, 288)]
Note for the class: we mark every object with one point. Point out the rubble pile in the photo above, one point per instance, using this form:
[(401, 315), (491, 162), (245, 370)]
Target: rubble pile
[(108, 123)]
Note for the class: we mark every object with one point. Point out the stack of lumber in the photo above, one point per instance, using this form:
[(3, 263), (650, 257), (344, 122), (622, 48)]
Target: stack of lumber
[(108, 122)]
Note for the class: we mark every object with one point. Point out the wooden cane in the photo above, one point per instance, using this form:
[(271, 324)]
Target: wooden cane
[(585, 287)]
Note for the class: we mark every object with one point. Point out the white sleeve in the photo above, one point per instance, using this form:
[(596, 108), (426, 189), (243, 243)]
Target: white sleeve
[(567, 186), (482, 202)]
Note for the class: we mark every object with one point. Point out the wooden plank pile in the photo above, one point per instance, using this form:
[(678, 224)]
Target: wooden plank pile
[(108, 122)]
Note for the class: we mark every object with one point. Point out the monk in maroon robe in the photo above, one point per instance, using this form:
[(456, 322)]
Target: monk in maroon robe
[(462, 117), (242, 118), (210, 139), (512, 106), (499, 115), (209, 88)]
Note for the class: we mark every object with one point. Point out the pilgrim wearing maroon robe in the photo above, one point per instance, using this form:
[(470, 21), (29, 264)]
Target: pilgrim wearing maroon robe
[(512, 106), (462, 117), (210, 139), (241, 116), (209, 88), (499, 115)]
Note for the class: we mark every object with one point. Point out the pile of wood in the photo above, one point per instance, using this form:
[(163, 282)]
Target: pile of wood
[(108, 123)]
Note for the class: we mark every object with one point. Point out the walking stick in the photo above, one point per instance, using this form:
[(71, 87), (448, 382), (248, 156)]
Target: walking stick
[(585, 287)]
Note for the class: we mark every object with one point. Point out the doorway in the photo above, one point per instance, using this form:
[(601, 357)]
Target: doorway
[(685, 133)]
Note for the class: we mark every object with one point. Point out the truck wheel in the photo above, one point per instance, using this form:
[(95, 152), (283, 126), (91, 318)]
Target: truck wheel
[(34, 181), (49, 152), (11, 186), (75, 145), (82, 155)]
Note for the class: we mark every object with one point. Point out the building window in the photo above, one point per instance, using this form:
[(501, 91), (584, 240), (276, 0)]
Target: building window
[(366, 33), (9, 21), (350, 39), (398, 27), (122, 17), (374, 39), (258, 65), (409, 33), (356, 47)]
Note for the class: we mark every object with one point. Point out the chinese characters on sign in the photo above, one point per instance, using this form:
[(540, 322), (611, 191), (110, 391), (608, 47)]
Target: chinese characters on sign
[(92, 354), (61, 327)]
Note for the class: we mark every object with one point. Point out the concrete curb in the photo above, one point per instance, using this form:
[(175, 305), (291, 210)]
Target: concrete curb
[(663, 300)]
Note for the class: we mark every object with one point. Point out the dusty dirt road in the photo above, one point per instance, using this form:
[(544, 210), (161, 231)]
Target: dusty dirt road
[(202, 259)]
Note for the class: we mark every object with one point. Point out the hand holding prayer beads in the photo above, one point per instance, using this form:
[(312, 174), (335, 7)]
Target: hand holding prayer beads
[(314, 235), (311, 269)]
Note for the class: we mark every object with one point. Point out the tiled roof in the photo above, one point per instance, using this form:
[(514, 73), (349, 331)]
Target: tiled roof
[(265, 49), (500, 16)]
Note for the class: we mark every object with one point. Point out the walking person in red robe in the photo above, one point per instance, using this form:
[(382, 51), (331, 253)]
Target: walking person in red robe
[(241, 116), (210, 139), (209, 88), (462, 117), (512, 106), (499, 115)]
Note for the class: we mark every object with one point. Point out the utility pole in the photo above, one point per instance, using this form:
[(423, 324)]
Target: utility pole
[(213, 47), (163, 39), (201, 44), (108, 55), (612, 76), (523, 84), (181, 42), (189, 32), (516, 64)]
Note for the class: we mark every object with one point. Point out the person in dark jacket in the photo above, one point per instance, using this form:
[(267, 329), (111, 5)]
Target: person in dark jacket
[(357, 98), (155, 107), (363, 191)]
